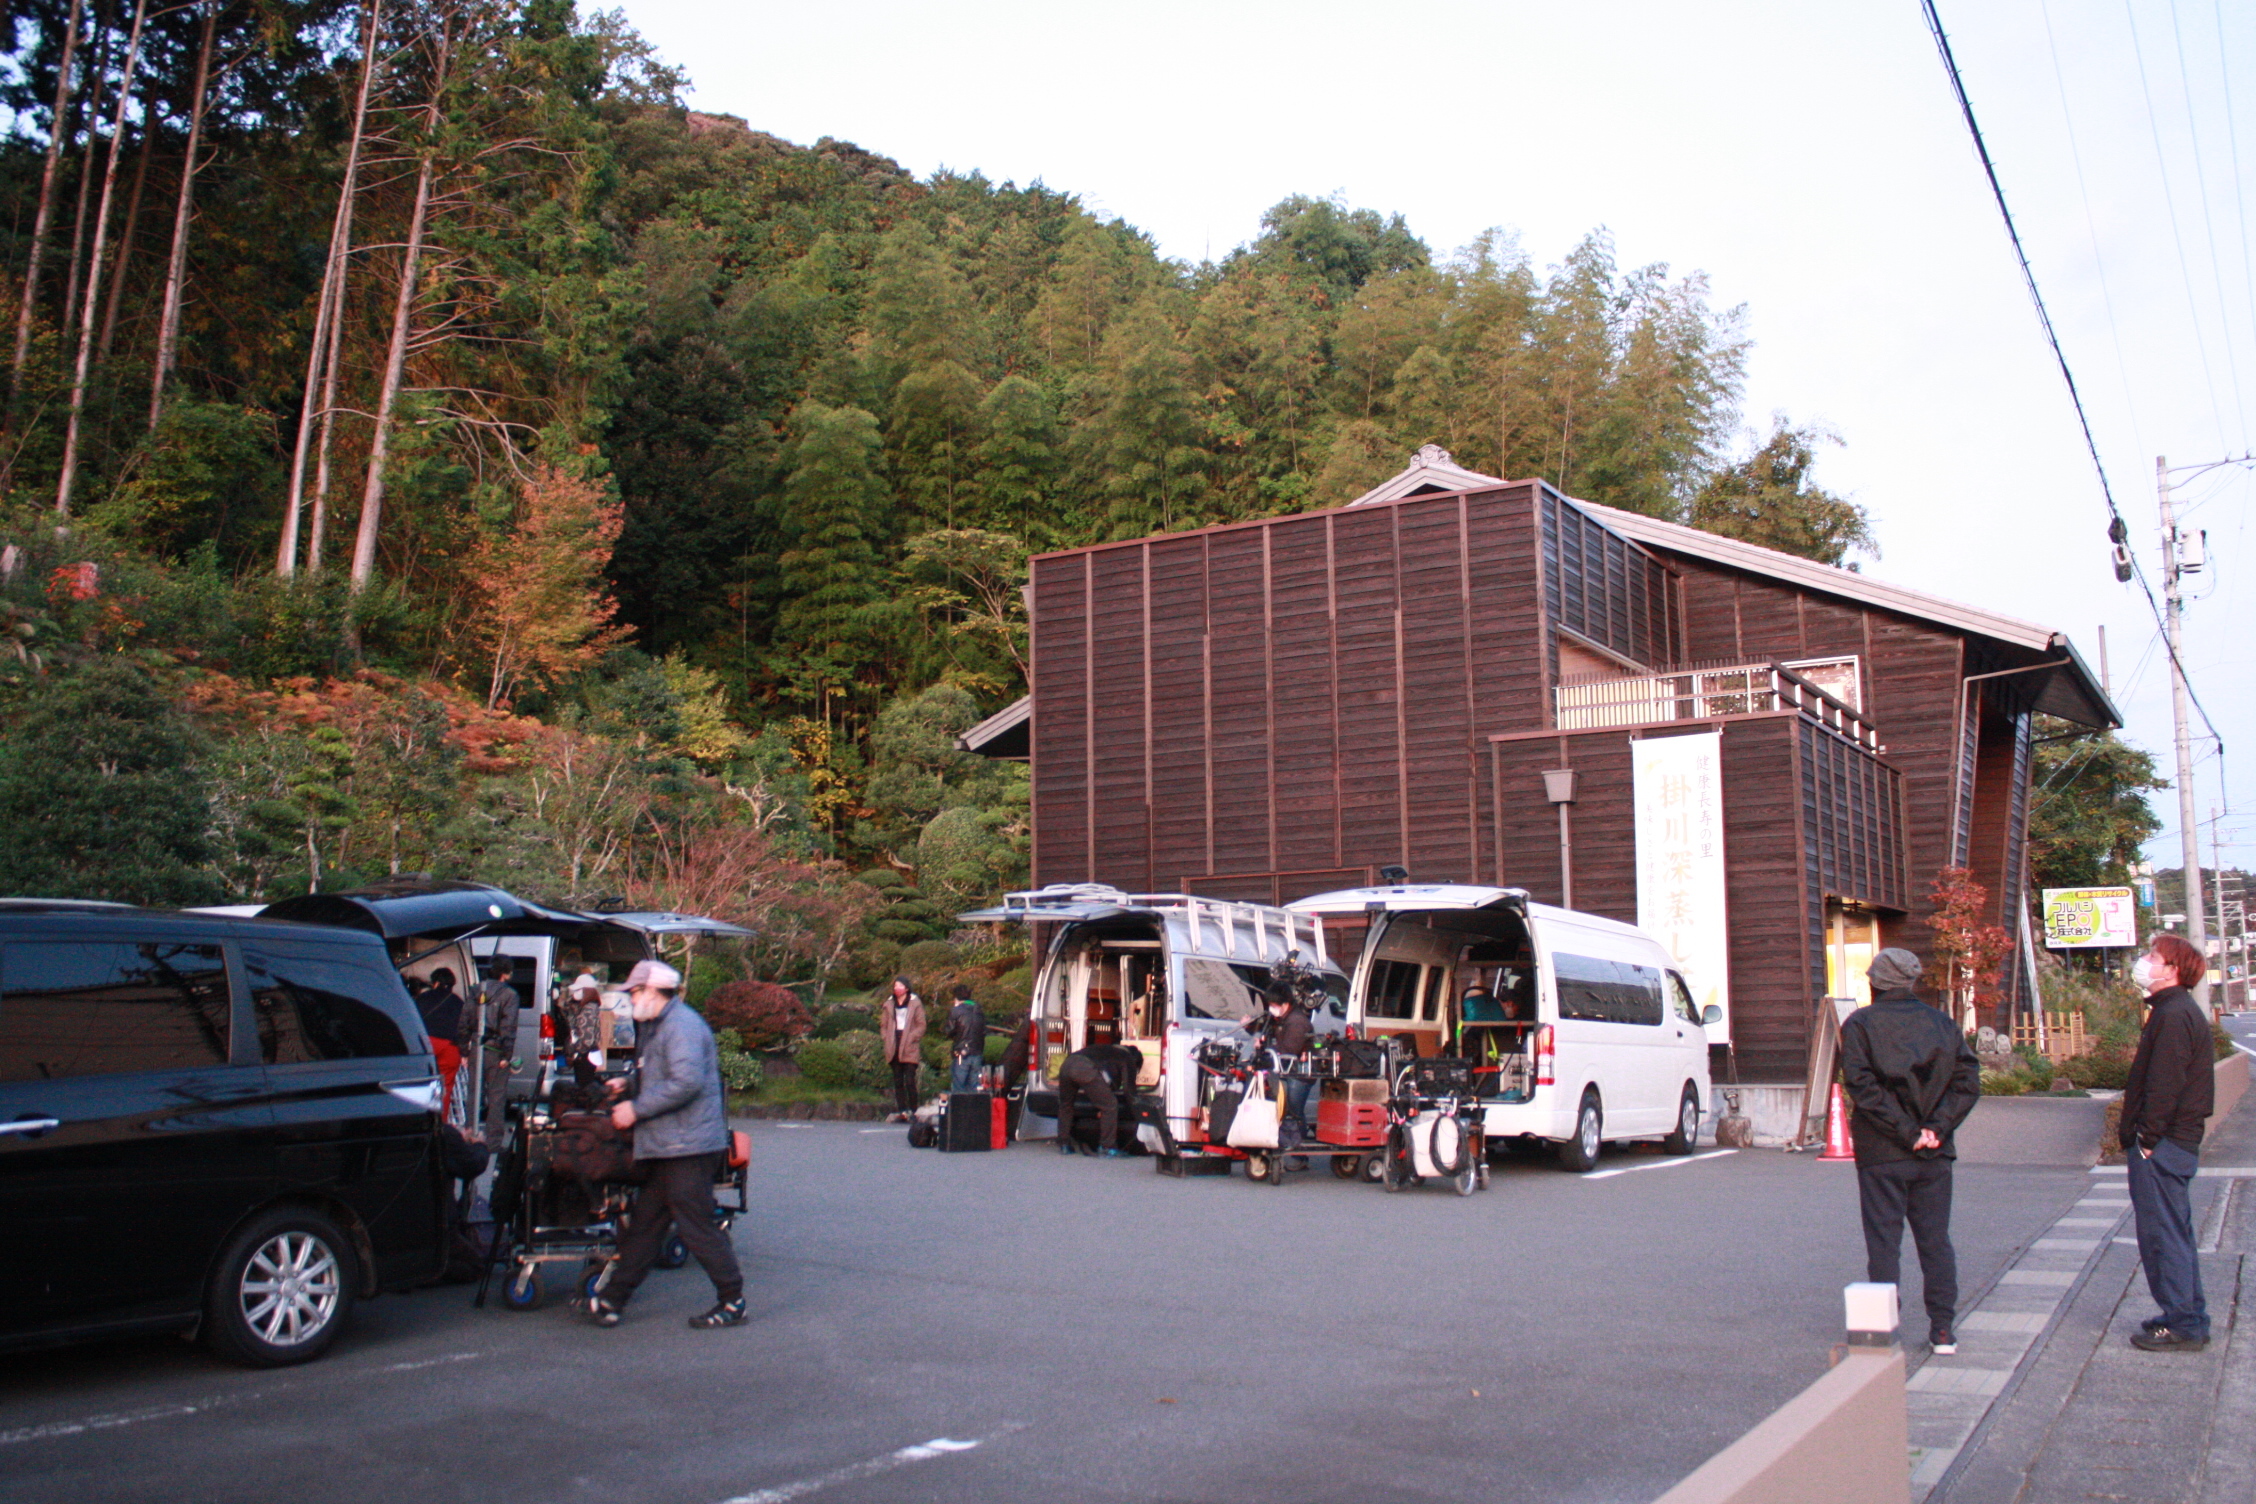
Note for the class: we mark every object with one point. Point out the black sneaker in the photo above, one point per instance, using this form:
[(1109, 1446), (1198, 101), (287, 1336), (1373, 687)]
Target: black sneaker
[(602, 1312), (727, 1313), (1944, 1341), (2163, 1339), (2152, 1324)]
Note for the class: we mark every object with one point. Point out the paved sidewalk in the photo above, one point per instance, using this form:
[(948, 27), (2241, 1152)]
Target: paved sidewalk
[(2070, 1411)]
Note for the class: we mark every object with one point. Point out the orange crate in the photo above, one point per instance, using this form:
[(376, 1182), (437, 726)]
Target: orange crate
[(1357, 1125)]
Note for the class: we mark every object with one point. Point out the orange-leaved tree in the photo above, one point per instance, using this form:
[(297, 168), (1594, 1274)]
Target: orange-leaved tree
[(1968, 948), (541, 608)]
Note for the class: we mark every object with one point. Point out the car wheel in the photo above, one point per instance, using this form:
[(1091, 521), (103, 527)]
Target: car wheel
[(1581, 1152), (1687, 1135), (282, 1290)]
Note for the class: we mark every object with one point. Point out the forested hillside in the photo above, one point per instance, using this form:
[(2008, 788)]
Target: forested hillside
[(429, 447)]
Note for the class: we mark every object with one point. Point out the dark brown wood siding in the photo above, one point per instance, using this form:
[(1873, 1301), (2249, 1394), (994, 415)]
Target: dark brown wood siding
[(1600, 585)]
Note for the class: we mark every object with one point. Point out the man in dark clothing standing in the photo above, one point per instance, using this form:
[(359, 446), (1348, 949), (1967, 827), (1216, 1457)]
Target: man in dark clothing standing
[(1104, 1073), (1913, 1079), (2166, 1106), (498, 1004), (681, 1134), (1284, 1028), (967, 1041)]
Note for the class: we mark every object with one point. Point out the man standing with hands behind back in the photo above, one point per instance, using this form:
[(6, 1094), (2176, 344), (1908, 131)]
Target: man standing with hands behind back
[(2167, 1100), (1913, 1079)]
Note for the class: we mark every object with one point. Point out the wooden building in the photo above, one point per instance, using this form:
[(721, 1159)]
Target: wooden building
[(1276, 708)]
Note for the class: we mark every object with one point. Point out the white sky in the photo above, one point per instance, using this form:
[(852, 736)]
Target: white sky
[(1808, 157)]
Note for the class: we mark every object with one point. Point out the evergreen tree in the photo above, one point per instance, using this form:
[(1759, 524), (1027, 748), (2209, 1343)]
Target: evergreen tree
[(1768, 499), (101, 792), (837, 508)]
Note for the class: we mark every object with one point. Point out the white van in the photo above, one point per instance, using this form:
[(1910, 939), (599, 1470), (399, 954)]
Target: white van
[(1161, 973), (1582, 1028)]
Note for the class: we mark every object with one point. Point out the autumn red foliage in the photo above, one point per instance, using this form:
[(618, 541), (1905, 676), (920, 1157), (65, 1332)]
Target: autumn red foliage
[(1969, 950), (764, 1015)]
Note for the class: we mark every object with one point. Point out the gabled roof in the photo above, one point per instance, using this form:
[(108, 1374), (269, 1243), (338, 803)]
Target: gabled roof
[(1431, 469), (2075, 695)]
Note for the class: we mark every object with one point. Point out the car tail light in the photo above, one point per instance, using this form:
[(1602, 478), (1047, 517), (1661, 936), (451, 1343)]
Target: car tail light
[(1546, 1058), (547, 1026)]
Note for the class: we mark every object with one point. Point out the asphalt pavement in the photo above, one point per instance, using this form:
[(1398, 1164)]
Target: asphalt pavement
[(1021, 1325)]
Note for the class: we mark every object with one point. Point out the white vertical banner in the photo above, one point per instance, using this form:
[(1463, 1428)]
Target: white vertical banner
[(1677, 782)]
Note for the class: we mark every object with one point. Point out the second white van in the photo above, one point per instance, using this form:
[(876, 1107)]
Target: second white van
[(1581, 1028)]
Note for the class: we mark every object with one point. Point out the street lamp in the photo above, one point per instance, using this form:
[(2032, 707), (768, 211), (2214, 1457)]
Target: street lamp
[(1559, 788)]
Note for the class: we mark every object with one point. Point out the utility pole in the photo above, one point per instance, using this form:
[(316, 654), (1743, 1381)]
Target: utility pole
[(2189, 831), (2222, 1002)]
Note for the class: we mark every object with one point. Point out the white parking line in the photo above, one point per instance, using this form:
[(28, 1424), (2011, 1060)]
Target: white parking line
[(924, 1451), (1658, 1164), (429, 1363), (106, 1422)]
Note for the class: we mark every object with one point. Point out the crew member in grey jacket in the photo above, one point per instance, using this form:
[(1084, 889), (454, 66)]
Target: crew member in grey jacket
[(681, 1134), (1913, 1079), (2167, 1100)]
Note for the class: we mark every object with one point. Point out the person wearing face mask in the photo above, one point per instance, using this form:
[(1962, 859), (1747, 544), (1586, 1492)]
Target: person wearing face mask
[(1283, 1028), (681, 1134), (2166, 1107), (1913, 1079), (900, 1033)]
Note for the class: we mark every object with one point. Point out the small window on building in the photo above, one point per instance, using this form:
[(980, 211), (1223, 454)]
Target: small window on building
[(87, 1008), (320, 1007)]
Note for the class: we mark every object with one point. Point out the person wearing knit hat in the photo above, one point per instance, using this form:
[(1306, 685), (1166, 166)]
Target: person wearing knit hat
[(681, 1134), (1912, 1079)]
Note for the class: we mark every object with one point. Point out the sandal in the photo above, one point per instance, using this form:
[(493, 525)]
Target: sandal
[(727, 1313), (602, 1312)]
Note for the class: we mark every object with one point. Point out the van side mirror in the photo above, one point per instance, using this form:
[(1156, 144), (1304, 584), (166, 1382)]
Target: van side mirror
[(1711, 1014)]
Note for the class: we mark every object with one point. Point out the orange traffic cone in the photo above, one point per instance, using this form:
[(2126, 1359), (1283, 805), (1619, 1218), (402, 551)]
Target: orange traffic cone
[(1837, 1145)]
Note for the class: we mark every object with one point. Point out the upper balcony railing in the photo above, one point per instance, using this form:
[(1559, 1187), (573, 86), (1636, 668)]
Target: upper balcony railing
[(1586, 703)]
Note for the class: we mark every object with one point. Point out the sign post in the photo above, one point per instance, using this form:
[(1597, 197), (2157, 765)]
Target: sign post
[(1678, 787)]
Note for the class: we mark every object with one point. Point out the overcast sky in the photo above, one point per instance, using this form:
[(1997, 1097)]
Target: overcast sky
[(1809, 158)]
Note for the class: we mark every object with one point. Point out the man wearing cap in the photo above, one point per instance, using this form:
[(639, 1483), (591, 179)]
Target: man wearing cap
[(681, 1134), (1912, 1078)]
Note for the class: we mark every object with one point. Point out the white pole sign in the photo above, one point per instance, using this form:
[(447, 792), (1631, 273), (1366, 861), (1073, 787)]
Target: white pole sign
[(1678, 785)]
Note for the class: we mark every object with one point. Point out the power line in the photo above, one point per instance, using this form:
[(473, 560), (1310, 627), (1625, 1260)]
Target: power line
[(2170, 200), (2232, 140), (2118, 528)]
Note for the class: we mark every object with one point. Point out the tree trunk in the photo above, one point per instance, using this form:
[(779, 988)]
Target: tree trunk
[(330, 309), (317, 534), (403, 317), (132, 230), (395, 365), (91, 97), (94, 268), (183, 212), (58, 132)]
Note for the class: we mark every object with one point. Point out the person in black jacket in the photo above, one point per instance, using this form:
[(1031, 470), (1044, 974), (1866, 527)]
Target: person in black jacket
[(1912, 1079), (967, 1041), (2166, 1106), (1104, 1073)]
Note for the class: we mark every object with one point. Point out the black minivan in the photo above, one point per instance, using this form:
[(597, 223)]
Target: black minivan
[(207, 1122)]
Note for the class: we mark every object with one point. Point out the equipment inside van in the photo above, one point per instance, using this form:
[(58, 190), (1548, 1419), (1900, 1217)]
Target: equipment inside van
[(1577, 1030), (1159, 973)]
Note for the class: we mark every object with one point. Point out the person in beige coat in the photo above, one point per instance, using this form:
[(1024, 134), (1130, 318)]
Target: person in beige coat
[(900, 1029)]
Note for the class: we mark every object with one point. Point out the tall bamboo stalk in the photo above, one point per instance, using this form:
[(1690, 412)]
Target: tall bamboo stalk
[(183, 212), (96, 57), (132, 231), (94, 268), (331, 306)]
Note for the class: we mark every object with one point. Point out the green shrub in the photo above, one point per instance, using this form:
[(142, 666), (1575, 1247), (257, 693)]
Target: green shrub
[(843, 1019), (931, 965), (739, 1071), (2004, 1084), (1002, 995), (934, 1051), (828, 1062), (2107, 1072)]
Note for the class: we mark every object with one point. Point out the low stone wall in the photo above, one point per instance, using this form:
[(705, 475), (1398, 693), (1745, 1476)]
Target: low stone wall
[(1774, 1110), (813, 1112), (1844, 1440)]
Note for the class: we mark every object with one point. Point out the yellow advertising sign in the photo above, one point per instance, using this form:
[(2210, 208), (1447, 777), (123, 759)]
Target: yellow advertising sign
[(2082, 918)]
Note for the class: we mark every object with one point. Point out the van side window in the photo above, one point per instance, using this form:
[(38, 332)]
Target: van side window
[(320, 1007), (86, 1008), (1393, 990), (1680, 999), (1614, 992)]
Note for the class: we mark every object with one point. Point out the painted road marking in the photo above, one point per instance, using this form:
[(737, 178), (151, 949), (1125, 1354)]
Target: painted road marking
[(430, 1363), (108, 1422), (1658, 1164), (923, 1451)]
